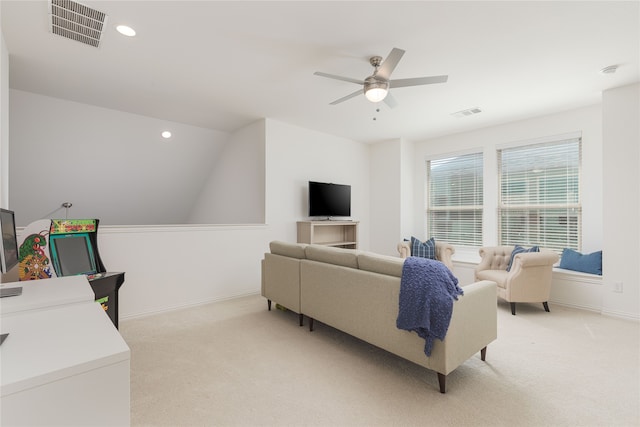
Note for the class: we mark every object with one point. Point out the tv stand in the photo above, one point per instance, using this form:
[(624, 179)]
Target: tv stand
[(343, 234)]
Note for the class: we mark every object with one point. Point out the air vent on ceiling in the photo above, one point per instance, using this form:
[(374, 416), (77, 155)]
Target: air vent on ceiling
[(467, 112), (76, 21)]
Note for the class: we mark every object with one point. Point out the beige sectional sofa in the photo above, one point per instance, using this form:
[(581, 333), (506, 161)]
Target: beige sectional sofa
[(358, 293)]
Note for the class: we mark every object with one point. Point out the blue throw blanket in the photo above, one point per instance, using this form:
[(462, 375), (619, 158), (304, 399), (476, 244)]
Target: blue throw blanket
[(427, 291)]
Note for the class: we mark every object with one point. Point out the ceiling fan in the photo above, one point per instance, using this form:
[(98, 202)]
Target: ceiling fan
[(376, 86)]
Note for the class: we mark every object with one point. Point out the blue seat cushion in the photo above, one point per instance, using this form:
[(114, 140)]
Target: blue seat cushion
[(585, 263)]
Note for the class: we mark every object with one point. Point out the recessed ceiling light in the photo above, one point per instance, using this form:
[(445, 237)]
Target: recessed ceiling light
[(126, 31), (611, 69), (166, 134)]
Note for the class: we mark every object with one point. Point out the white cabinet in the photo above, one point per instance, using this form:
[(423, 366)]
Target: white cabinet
[(64, 362), (343, 234)]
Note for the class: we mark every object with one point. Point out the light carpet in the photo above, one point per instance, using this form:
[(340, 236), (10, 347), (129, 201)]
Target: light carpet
[(233, 363)]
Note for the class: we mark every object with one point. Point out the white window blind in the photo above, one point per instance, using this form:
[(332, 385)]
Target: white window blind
[(454, 199), (539, 195)]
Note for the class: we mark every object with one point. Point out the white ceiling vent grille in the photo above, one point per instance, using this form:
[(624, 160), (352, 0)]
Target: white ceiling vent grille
[(467, 112), (76, 21)]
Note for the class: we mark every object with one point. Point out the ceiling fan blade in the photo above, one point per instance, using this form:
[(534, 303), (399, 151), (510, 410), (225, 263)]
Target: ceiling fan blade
[(344, 98), (344, 79), (390, 101), (390, 63), (418, 81)]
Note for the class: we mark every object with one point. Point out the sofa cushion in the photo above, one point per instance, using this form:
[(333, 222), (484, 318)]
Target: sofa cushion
[(391, 266), (520, 250), (293, 250), (423, 249), (337, 256), (585, 263)]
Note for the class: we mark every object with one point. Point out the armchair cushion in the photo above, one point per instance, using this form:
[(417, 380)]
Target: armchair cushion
[(423, 249), (519, 250), (498, 276), (585, 263)]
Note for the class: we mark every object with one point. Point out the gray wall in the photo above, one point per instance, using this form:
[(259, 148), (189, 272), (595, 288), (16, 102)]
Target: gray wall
[(110, 164)]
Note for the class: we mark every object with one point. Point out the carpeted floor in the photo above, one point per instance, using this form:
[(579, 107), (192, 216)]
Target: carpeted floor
[(233, 363)]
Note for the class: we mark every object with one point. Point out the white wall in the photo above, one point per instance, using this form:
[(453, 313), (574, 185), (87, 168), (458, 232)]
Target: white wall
[(407, 189), (234, 192), (587, 120), (179, 266), (386, 196), (110, 164), (172, 267), (610, 204), (621, 159), (392, 191), (4, 122), (294, 156)]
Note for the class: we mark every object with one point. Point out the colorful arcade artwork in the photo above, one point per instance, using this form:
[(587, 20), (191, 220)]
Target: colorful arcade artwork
[(34, 257), (35, 249), (64, 226)]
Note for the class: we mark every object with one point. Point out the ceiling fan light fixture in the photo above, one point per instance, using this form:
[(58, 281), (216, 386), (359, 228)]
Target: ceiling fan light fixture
[(376, 94), (375, 90)]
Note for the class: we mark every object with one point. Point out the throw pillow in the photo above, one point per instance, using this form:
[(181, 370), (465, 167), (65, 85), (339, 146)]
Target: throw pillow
[(585, 263), (519, 250), (423, 249)]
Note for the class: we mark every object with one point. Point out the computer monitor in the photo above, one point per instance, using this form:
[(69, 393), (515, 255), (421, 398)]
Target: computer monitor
[(72, 254), (9, 241)]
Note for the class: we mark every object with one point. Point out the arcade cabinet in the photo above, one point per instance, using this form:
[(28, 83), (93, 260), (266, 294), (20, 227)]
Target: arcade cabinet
[(69, 247)]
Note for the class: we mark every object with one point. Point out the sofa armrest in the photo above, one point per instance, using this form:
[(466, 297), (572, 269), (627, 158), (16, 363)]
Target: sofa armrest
[(530, 277), (494, 258), (473, 325), (444, 252), (534, 259), (281, 280), (404, 248)]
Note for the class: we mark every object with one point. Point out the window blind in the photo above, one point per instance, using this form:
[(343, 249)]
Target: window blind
[(454, 199), (539, 195)]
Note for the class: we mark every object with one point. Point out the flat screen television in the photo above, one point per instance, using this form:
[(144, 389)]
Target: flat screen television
[(72, 254), (329, 200), (9, 242)]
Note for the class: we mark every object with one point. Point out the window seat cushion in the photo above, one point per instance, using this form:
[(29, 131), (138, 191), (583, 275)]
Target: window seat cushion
[(585, 263)]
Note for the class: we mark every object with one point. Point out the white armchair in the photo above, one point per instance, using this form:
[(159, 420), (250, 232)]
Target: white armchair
[(444, 251), (529, 279)]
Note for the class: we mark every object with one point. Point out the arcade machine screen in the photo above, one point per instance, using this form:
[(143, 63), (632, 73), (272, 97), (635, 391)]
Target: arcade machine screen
[(73, 254)]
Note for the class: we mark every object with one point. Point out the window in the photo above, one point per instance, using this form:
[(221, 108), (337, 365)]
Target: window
[(454, 199), (539, 195)]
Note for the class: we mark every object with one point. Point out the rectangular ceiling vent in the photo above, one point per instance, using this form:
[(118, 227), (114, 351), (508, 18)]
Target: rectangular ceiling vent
[(467, 112), (76, 21)]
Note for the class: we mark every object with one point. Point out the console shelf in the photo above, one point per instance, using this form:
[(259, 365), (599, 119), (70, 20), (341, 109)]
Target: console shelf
[(343, 234)]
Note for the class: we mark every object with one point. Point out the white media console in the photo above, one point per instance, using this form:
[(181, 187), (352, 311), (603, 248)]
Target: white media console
[(343, 234)]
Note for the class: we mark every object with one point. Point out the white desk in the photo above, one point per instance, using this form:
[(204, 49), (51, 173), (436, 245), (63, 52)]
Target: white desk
[(47, 293), (62, 365)]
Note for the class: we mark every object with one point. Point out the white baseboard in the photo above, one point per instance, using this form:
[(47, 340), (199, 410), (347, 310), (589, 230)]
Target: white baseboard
[(183, 306), (622, 315)]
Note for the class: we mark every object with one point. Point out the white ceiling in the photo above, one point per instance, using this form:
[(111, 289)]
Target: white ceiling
[(222, 65)]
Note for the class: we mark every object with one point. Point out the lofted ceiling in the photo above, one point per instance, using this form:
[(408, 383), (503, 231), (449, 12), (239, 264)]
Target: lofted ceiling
[(223, 65)]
